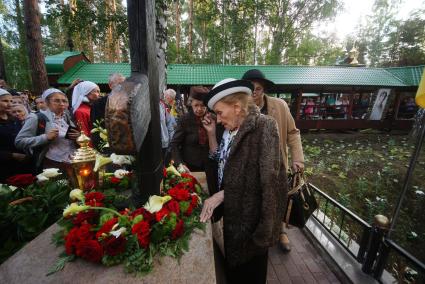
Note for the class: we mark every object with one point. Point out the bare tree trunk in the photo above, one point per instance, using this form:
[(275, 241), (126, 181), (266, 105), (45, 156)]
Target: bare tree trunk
[(2, 67), (255, 33), (23, 59), (177, 9), (190, 27), (35, 51), (112, 44)]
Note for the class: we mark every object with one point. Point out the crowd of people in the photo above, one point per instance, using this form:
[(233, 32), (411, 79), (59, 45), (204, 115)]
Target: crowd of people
[(240, 137)]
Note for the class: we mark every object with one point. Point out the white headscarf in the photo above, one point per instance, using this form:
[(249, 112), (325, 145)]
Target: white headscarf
[(49, 92), (80, 93), (3, 92)]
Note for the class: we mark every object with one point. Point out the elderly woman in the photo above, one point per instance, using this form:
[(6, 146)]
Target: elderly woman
[(20, 112), (50, 136), (12, 161), (190, 141), (84, 94), (251, 179)]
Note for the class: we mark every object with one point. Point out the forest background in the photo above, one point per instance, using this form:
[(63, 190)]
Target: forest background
[(216, 32)]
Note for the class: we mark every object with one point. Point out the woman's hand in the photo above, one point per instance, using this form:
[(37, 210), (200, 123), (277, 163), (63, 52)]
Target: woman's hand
[(209, 123), (73, 134), (52, 134), (210, 204)]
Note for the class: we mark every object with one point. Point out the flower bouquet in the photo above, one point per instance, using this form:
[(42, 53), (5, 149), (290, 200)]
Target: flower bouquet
[(28, 205), (92, 229)]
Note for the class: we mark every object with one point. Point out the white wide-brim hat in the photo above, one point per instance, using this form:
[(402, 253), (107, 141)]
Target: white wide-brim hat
[(227, 87)]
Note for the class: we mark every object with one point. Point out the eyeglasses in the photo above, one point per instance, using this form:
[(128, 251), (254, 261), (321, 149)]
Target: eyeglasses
[(58, 101)]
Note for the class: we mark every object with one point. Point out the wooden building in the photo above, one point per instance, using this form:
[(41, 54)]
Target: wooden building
[(320, 97)]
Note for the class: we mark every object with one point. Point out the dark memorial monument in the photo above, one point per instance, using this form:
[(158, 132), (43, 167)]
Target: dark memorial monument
[(132, 112)]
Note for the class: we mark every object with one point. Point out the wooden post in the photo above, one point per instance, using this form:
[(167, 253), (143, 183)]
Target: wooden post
[(298, 105), (350, 106), (34, 48), (396, 104), (143, 51)]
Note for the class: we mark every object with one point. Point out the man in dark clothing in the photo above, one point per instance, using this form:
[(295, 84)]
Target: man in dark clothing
[(97, 112)]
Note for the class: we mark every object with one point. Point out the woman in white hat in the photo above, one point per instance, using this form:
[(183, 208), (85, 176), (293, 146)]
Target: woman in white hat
[(49, 136), (251, 180)]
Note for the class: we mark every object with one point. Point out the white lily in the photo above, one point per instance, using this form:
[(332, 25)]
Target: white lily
[(121, 159), (101, 161), (51, 172), (121, 173), (41, 178), (74, 208), (76, 194), (156, 202), (118, 232)]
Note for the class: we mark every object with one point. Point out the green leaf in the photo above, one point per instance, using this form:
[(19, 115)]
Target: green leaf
[(60, 264)]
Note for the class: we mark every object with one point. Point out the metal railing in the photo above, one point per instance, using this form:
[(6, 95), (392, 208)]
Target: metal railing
[(334, 217), (366, 243)]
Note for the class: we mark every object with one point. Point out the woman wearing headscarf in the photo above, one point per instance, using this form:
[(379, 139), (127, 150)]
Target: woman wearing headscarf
[(84, 94), (50, 136), (12, 161), (190, 141), (251, 179)]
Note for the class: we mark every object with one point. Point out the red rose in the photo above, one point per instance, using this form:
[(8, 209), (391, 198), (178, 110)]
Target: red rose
[(164, 172), (189, 210), (85, 232), (90, 250), (161, 214), (194, 202), (21, 180), (94, 199), (114, 246), (178, 230), (147, 216), (179, 194), (71, 241), (142, 230), (115, 180), (84, 216), (75, 236), (107, 227), (173, 206)]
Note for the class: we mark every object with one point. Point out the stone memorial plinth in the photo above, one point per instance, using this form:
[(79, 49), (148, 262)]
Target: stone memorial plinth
[(32, 262)]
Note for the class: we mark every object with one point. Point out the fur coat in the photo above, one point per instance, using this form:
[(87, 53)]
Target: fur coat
[(255, 190)]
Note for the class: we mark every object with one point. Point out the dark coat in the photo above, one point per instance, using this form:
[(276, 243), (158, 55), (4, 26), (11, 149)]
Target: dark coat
[(185, 148), (255, 190)]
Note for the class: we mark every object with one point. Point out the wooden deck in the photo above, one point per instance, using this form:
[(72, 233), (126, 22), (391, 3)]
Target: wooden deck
[(302, 264)]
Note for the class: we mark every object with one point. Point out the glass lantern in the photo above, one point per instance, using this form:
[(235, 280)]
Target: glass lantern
[(83, 163)]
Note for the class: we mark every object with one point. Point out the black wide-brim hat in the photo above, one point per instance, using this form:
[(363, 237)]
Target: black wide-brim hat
[(225, 88), (257, 75)]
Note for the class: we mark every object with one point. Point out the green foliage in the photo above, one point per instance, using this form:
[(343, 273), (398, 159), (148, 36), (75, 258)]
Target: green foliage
[(24, 221), (60, 264)]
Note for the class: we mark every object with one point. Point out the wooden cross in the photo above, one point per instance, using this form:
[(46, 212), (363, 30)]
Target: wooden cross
[(145, 102)]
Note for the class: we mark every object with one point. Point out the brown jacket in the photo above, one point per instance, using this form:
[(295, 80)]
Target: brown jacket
[(255, 190), (288, 132)]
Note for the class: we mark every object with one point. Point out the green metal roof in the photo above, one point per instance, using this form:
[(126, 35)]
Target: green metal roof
[(96, 72), (196, 74), (411, 75), (54, 63)]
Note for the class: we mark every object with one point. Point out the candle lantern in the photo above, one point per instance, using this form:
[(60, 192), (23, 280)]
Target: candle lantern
[(83, 163)]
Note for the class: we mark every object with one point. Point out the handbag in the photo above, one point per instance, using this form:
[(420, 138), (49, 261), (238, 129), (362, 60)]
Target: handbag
[(301, 201)]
